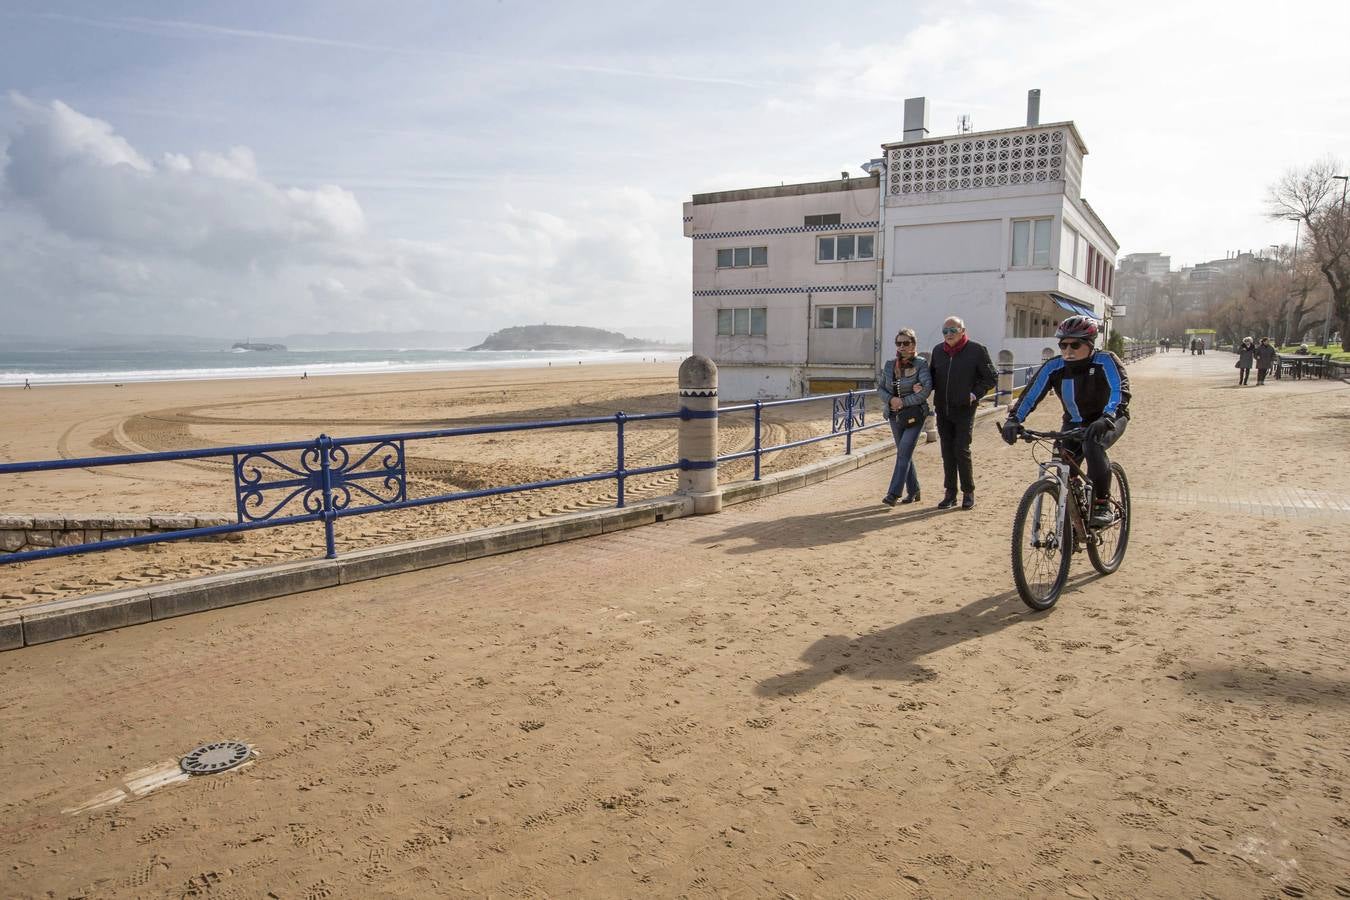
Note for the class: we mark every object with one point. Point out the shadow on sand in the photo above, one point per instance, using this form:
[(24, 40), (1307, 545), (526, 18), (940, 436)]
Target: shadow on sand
[(799, 532), (893, 653)]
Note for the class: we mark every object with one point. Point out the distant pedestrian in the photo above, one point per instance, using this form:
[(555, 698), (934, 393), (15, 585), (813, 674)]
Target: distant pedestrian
[(1265, 358), (1246, 356), (26, 385), (962, 374), (904, 385), (1195, 346)]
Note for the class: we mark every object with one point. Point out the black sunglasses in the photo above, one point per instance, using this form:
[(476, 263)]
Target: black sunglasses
[(1070, 345), (904, 343)]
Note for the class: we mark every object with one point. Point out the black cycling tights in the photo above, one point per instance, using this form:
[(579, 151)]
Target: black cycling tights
[(1098, 465)]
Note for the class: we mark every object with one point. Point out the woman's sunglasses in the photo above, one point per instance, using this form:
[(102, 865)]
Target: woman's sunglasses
[(1070, 345), (904, 343)]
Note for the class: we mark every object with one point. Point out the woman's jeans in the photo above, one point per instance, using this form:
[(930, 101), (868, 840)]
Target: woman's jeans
[(905, 475)]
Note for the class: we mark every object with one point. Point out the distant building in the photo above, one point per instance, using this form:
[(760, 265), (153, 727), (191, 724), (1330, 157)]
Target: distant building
[(1153, 266), (799, 288)]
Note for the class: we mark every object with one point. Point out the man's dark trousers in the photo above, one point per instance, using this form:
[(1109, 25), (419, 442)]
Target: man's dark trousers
[(954, 432)]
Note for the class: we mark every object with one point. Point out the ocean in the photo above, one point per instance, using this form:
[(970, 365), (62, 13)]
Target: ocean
[(41, 367)]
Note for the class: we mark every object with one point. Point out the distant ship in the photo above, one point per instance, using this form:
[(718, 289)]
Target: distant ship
[(245, 346)]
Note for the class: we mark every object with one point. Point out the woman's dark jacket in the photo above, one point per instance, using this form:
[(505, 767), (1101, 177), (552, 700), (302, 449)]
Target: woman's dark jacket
[(955, 378)]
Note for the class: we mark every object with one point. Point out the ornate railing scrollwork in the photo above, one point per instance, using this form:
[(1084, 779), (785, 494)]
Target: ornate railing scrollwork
[(360, 475)]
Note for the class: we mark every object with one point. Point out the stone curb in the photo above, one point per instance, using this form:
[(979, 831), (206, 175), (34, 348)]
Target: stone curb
[(61, 619)]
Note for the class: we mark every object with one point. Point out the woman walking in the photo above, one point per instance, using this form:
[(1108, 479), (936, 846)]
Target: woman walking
[(904, 385), (1246, 355)]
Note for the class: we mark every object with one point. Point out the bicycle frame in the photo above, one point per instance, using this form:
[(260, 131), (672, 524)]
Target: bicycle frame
[(1064, 469)]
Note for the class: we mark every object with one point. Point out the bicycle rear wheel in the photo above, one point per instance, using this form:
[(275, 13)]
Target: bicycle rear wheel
[(1109, 549), (1040, 555)]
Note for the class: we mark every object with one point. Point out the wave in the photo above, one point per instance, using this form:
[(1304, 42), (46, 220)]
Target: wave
[(13, 377)]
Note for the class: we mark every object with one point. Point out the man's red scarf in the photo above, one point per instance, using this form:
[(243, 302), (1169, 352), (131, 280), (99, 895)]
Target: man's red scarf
[(953, 349)]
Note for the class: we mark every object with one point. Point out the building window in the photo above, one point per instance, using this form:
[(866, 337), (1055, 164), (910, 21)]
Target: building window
[(1031, 242), (843, 317), (845, 247), (742, 257), (823, 221), (742, 321)]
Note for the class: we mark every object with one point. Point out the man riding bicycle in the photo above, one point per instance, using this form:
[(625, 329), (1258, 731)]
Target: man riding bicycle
[(1095, 392)]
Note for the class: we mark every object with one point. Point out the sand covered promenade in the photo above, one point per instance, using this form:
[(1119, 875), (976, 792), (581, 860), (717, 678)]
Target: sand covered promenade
[(101, 420), (809, 695)]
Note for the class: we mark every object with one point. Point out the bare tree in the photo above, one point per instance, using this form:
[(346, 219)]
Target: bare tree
[(1316, 197)]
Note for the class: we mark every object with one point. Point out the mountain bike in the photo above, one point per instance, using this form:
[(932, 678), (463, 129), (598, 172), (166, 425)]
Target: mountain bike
[(1051, 522)]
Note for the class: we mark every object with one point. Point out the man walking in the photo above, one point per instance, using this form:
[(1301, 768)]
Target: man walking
[(1265, 358), (962, 374)]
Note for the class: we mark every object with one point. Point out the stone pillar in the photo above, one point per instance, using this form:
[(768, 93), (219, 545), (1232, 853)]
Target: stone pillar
[(698, 434), (1003, 397)]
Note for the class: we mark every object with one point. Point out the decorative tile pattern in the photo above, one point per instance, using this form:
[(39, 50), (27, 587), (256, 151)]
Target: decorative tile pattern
[(808, 289), (787, 229), (966, 162)]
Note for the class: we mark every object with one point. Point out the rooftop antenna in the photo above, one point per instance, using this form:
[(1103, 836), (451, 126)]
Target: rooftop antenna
[(963, 124)]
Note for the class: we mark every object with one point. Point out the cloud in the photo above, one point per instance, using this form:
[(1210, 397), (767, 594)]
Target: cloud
[(96, 236)]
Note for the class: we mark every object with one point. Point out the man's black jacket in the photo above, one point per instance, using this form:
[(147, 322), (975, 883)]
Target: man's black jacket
[(955, 378)]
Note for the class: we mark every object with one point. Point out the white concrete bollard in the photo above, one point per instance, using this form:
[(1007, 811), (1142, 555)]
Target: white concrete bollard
[(1003, 397), (698, 434)]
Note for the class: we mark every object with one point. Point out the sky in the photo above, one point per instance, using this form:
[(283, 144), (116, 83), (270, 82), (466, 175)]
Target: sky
[(255, 167)]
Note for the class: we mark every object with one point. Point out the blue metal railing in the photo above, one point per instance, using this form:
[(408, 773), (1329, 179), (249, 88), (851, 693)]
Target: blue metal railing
[(847, 417), (335, 478), (332, 478)]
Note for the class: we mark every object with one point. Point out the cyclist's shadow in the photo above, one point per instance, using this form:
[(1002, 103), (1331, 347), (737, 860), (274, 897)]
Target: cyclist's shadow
[(893, 653)]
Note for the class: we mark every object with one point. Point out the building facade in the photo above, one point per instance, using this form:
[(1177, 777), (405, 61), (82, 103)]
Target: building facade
[(988, 226), (785, 286)]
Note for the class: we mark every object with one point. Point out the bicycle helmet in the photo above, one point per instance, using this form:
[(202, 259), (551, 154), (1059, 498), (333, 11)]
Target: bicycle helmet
[(1082, 327)]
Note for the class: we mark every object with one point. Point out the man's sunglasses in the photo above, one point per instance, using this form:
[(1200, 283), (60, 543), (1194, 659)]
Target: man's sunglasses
[(904, 343), (951, 331), (1071, 345)]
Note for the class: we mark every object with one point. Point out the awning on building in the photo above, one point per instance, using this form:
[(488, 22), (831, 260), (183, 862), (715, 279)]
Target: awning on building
[(1073, 306)]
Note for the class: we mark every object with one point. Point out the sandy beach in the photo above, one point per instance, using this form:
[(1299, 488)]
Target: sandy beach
[(97, 420), (809, 695)]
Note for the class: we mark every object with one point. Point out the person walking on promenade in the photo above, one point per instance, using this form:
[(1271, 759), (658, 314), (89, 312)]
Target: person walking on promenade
[(962, 374), (1246, 356), (1093, 389), (904, 385), (1265, 358)]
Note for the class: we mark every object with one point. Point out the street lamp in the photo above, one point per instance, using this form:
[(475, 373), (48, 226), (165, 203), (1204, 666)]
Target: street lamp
[(1344, 180)]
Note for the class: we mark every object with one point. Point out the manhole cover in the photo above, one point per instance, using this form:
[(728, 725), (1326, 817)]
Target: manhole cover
[(211, 758)]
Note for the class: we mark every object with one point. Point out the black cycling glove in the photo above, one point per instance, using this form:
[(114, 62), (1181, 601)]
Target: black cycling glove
[(1011, 429), (1101, 427)]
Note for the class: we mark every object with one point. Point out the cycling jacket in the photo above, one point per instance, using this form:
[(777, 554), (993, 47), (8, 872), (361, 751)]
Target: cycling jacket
[(1089, 389)]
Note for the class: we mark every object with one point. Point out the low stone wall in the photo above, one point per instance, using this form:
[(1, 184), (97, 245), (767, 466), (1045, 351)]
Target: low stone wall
[(38, 532)]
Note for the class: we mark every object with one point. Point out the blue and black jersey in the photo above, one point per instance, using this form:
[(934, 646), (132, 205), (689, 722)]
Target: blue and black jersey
[(1089, 389)]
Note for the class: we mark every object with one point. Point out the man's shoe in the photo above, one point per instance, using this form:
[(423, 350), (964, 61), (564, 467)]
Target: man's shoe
[(968, 500), (912, 498), (889, 499), (1101, 516), (947, 502)]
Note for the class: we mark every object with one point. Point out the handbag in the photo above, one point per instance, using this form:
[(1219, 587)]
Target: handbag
[(907, 416)]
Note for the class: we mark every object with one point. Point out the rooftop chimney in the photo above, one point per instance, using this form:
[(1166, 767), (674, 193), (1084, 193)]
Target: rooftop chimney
[(916, 118), (1034, 106)]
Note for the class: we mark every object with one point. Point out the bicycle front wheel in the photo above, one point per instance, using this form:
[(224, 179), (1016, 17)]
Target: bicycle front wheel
[(1040, 553), (1108, 549)]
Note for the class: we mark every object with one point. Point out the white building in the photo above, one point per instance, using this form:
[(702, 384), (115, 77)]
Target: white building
[(785, 286), (989, 226)]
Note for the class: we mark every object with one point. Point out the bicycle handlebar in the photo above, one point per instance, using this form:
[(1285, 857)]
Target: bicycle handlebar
[(1026, 434)]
